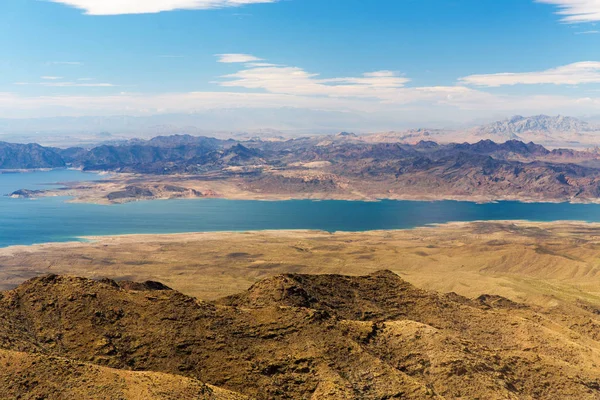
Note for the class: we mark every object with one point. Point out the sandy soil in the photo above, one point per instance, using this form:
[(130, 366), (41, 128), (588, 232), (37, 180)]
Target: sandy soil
[(541, 263)]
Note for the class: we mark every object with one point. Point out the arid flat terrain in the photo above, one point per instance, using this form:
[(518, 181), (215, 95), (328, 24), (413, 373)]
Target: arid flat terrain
[(540, 263)]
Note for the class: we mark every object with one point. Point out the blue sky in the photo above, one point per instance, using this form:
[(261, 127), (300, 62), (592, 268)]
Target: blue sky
[(423, 60)]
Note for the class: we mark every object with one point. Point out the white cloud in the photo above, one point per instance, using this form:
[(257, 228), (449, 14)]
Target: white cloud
[(575, 11), (280, 79), (385, 91), (261, 85), (237, 58), (272, 86), (117, 7), (587, 33), (572, 74), (51, 78)]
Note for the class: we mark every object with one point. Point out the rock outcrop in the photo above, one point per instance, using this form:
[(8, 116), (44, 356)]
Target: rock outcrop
[(290, 337)]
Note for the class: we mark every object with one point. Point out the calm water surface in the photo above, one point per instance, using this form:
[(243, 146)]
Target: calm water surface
[(24, 221)]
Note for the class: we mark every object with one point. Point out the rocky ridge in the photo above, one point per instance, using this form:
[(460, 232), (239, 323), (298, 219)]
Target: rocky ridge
[(28, 156), (295, 337)]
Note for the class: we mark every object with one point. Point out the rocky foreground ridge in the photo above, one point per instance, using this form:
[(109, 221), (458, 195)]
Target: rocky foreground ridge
[(289, 337)]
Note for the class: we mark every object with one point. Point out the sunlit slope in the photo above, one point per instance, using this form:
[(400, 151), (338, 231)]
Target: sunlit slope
[(37, 376), (291, 337)]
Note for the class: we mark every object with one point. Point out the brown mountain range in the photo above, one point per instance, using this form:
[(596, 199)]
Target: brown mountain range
[(290, 337)]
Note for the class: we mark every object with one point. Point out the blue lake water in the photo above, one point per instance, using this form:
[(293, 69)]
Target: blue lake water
[(24, 221)]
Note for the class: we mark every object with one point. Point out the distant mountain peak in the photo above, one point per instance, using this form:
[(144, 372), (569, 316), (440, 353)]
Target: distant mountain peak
[(541, 126), (346, 134)]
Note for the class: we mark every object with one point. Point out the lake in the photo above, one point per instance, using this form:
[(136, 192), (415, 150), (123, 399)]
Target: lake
[(25, 221)]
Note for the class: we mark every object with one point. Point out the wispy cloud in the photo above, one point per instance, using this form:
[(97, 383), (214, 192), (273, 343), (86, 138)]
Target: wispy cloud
[(262, 64), (587, 33), (117, 7), (51, 78), (260, 84), (417, 104), (64, 63), (575, 11), (296, 81), (237, 58), (572, 74), (74, 84), (266, 85), (64, 84)]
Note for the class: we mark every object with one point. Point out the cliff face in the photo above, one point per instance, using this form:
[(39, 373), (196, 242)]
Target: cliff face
[(299, 337)]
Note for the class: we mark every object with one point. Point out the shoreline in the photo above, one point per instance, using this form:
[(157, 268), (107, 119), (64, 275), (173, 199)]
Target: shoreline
[(76, 196), (195, 187), (149, 237), (540, 261), (32, 170)]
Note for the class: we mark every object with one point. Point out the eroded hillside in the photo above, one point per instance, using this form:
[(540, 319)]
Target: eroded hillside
[(295, 337)]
